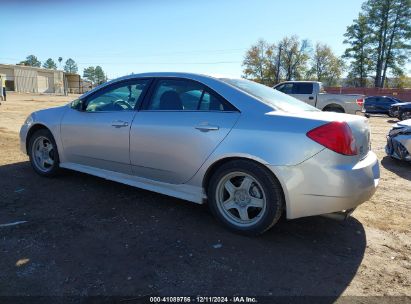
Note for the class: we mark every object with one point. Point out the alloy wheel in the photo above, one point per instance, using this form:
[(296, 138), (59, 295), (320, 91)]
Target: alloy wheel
[(43, 154), (241, 199)]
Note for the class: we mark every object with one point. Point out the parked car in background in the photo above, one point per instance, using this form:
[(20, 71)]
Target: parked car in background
[(399, 141), (379, 105), (251, 151), (402, 110), (312, 92)]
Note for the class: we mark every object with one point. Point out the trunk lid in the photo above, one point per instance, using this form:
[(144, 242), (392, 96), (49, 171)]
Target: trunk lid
[(358, 124), (361, 131)]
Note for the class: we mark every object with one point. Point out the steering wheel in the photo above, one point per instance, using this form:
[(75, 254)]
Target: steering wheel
[(121, 103)]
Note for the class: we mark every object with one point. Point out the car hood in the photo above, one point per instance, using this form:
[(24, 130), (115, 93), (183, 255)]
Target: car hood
[(404, 123)]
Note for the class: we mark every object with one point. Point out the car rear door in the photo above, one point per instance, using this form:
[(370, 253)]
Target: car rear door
[(95, 132), (179, 126), (303, 91), (370, 104)]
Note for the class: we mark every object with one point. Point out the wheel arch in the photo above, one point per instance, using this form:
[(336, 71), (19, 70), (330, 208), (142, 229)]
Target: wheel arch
[(333, 105), (33, 130), (214, 166)]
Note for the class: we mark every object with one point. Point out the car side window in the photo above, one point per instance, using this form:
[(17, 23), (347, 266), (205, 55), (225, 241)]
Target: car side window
[(286, 88), (184, 95), (121, 97), (303, 88), (389, 100)]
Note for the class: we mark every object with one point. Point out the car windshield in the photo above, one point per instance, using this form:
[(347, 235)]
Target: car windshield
[(271, 97)]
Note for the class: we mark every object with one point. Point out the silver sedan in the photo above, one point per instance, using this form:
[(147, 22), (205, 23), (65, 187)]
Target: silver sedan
[(251, 152)]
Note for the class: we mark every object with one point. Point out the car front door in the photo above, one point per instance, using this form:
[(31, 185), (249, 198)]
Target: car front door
[(179, 126), (96, 131), (387, 102)]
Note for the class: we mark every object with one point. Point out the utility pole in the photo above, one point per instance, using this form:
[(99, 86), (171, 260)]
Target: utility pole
[(277, 72)]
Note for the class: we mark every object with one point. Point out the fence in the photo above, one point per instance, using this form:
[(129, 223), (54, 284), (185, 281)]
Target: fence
[(403, 94)]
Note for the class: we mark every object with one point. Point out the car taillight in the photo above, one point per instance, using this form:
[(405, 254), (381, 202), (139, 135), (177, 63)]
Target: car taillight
[(336, 136), (360, 101)]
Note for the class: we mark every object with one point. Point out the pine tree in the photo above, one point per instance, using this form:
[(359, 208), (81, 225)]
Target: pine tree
[(70, 66), (358, 52), (99, 75), (50, 64), (384, 32), (31, 60), (95, 74), (89, 74)]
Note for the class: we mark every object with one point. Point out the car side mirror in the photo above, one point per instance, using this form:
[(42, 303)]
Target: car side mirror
[(78, 105)]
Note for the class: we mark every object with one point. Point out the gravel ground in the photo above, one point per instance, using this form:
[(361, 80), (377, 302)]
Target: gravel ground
[(87, 236)]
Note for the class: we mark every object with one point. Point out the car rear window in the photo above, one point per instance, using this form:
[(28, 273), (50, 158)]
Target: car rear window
[(269, 96)]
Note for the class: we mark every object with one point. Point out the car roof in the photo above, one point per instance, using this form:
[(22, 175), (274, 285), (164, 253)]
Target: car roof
[(299, 81), (384, 96), (192, 76)]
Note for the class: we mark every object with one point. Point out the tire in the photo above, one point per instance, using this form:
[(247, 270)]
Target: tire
[(43, 154), (241, 185), (336, 109), (405, 115)]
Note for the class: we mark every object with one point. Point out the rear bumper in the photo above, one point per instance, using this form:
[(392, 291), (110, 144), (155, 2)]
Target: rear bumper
[(317, 186)]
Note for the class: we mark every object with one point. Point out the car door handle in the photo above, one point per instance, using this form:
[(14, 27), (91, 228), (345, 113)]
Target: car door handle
[(119, 123), (206, 128), (311, 98)]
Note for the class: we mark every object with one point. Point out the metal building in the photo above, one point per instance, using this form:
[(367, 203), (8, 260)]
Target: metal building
[(25, 79), (77, 85)]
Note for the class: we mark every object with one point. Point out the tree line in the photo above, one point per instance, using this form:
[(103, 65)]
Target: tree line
[(379, 41), (291, 59), (378, 45), (93, 74)]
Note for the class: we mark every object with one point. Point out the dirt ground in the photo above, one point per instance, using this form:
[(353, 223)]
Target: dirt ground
[(88, 236)]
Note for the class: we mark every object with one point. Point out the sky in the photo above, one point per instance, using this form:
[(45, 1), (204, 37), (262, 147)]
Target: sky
[(208, 36)]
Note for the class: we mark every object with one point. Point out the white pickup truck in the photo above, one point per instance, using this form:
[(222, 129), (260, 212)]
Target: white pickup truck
[(312, 92)]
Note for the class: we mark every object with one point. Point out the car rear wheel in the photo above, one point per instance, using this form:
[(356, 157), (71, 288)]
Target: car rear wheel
[(245, 197), (43, 153), (405, 115), (334, 108)]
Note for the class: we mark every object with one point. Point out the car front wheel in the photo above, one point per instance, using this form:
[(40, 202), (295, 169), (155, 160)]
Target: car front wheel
[(43, 153), (245, 197)]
